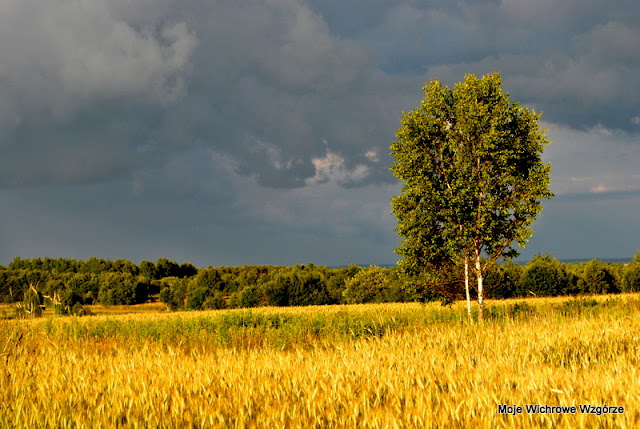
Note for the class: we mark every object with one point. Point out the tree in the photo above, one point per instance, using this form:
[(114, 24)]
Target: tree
[(148, 270), (600, 278), (167, 268), (470, 160), (544, 275), (369, 285), (631, 275), (187, 269)]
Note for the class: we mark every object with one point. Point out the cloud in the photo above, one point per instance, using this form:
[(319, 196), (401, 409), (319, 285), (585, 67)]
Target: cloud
[(197, 208), (60, 55), (331, 167), (595, 161), (97, 91), (197, 130), (578, 64)]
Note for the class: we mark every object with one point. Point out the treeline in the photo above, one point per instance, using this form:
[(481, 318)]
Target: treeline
[(547, 276), (69, 284)]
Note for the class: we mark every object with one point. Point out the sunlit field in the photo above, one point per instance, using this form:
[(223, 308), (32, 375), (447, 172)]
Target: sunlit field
[(383, 365)]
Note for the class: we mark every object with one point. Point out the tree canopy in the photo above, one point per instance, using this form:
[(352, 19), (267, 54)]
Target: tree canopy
[(470, 160)]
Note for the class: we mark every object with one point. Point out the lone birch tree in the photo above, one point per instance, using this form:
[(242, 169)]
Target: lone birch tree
[(470, 160)]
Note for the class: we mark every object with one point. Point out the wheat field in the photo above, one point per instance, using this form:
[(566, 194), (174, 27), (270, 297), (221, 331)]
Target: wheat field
[(369, 366)]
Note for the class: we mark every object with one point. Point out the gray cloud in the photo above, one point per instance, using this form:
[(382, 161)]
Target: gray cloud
[(87, 87), (576, 60), (91, 92), (227, 131), (198, 208)]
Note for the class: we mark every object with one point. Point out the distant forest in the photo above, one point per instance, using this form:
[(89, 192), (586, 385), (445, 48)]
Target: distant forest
[(69, 284)]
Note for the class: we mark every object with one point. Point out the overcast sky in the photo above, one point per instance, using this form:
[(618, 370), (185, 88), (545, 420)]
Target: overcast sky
[(258, 132)]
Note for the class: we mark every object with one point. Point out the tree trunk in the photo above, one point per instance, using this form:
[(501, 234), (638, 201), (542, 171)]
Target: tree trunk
[(480, 291), (466, 287)]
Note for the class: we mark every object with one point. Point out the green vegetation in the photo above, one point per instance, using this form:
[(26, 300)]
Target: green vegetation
[(34, 287), (470, 161)]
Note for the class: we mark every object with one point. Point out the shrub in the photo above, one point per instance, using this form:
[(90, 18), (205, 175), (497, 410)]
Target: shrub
[(631, 278), (216, 301), (197, 297), (544, 276), (249, 297), (599, 278), (121, 289), (32, 304), (502, 281), (369, 285)]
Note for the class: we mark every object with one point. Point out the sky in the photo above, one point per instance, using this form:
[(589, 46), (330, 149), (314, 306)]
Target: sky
[(258, 131)]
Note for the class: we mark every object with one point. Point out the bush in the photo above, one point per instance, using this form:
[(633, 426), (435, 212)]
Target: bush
[(544, 276), (502, 281), (209, 279), (216, 301), (79, 310), (249, 297), (369, 285), (121, 289), (306, 286), (276, 291), (599, 278), (31, 305), (631, 278), (197, 297), (173, 292)]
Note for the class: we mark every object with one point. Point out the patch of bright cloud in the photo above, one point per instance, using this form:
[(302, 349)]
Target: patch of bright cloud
[(332, 168), (372, 156)]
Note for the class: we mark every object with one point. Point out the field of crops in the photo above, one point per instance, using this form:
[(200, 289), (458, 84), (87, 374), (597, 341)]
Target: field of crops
[(384, 365)]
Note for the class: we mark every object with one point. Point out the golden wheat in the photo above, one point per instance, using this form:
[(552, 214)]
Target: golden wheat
[(423, 375)]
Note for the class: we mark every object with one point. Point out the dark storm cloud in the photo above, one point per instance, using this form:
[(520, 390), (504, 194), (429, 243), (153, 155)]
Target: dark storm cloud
[(197, 208), (94, 91), (575, 60), (101, 89), (257, 131)]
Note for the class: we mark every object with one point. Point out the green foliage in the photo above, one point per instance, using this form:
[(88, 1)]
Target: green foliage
[(600, 278), (251, 286), (306, 286), (543, 276), (69, 297), (470, 161), (444, 282), (276, 290), (250, 297), (32, 303), (209, 279), (121, 289), (520, 309), (197, 296), (576, 307), (187, 269), (216, 301), (502, 280), (369, 285), (173, 292), (148, 270), (631, 277), (167, 268)]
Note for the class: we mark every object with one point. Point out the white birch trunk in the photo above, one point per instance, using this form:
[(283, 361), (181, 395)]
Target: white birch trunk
[(480, 291), (466, 287)]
